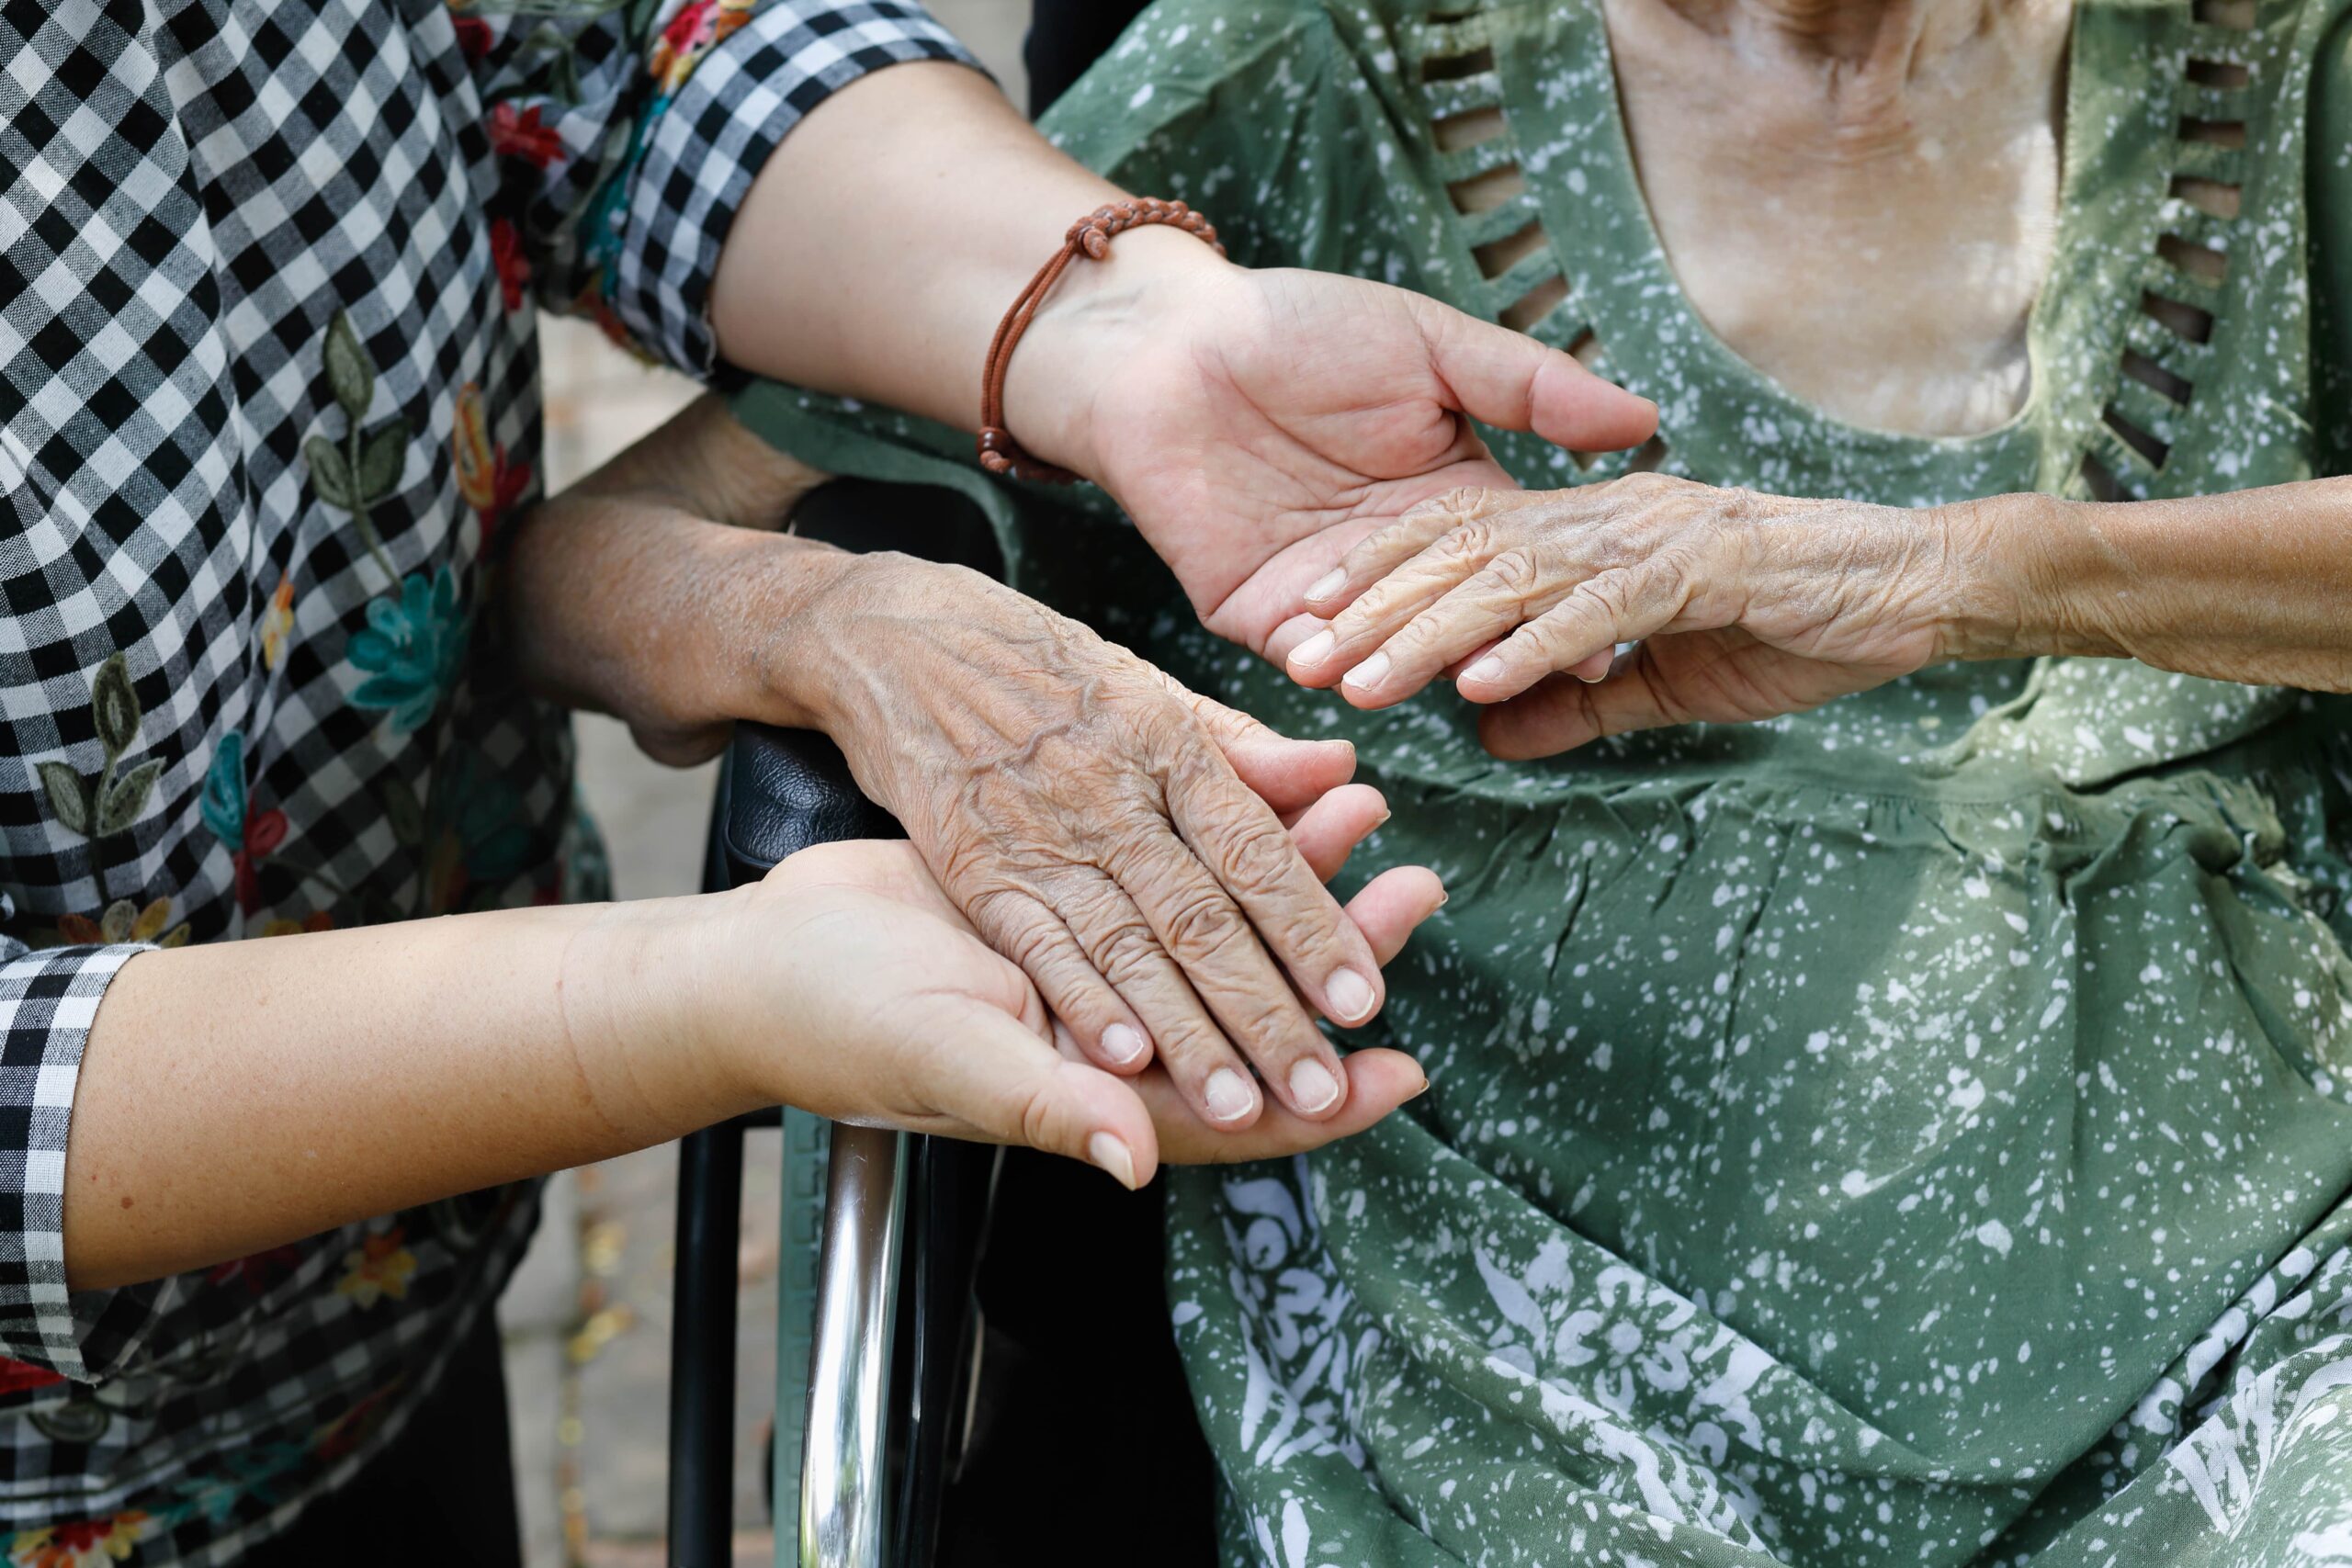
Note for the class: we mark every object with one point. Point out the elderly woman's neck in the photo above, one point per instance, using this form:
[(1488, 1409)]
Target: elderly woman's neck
[(1865, 56)]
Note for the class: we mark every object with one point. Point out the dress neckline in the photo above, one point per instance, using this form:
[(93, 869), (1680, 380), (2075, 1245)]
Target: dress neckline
[(2132, 98)]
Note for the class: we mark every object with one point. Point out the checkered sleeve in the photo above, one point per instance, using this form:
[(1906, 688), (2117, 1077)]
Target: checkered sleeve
[(47, 1001), (702, 152), (627, 137)]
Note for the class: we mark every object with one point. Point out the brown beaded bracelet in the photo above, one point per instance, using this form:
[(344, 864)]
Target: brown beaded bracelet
[(1090, 237)]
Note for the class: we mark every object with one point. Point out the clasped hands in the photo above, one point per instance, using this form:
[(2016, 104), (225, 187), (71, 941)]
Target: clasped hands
[(1111, 936)]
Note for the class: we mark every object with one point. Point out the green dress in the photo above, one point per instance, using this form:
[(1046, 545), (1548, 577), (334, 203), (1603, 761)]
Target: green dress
[(1909, 1133)]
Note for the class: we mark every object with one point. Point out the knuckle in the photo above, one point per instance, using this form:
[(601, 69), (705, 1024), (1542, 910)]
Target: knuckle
[(1127, 955), (1035, 945), (1604, 596), (1094, 912), (1473, 541), (1169, 727), (995, 912), (1270, 1021), (1411, 645), (1256, 858), (1367, 553), (1309, 932), (1513, 572), (1462, 501), (1205, 928), (1039, 1114), (1192, 1050)]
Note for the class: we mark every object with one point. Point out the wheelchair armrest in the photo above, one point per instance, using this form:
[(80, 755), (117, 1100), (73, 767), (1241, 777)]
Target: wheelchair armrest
[(784, 790)]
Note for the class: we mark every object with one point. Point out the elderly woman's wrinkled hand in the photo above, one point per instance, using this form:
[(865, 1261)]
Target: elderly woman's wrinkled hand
[(1124, 840), (1742, 606)]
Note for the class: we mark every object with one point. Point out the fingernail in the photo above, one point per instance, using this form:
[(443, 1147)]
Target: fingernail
[(1349, 995), (1122, 1044), (1311, 1087), (1110, 1153), (1315, 649), (1592, 680), (1487, 668), (1368, 674), (1229, 1096), (1420, 1091), (1330, 582)]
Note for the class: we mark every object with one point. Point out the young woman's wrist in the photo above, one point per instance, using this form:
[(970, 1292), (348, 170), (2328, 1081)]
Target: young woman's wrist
[(1153, 281), (654, 1015)]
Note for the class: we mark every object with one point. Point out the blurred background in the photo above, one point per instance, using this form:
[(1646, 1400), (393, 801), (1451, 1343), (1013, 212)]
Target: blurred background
[(587, 1321)]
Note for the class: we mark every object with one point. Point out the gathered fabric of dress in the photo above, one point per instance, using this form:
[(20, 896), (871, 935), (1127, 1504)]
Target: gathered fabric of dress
[(1909, 1133), (269, 276)]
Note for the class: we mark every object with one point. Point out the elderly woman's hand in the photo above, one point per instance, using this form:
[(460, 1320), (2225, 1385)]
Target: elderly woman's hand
[(1742, 607), (1121, 839), (918, 1024), (1118, 837)]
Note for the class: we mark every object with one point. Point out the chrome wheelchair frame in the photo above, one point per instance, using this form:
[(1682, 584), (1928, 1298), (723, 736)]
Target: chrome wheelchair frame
[(884, 1427), (881, 1238)]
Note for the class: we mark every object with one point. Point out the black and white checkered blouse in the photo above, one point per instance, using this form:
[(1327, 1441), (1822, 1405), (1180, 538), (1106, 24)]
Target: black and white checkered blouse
[(267, 403)]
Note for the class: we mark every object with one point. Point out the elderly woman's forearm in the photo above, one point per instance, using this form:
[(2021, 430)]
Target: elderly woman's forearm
[(658, 589), (2253, 586)]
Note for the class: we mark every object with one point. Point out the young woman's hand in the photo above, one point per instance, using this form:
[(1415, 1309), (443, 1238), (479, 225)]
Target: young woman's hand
[(456, 1053), (902, 1016), (1258, 423), (1742, 607)]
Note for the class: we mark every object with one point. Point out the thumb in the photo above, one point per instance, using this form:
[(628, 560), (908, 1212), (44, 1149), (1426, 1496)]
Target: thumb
[(1509, 380), (1014, 1087)]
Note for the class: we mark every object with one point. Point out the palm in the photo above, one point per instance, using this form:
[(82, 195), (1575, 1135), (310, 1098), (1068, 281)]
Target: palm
[(1287, 414)]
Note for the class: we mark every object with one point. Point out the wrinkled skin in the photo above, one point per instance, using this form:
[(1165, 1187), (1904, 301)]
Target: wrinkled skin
[(1744, 607), (946, 1036), (1119, 837)]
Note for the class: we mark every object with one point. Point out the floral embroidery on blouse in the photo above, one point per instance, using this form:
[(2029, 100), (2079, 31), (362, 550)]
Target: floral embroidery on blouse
[(377, 1268)]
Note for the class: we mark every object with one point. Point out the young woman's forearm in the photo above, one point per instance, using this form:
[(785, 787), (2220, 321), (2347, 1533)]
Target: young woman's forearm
[(888, 234), (236, 1096), (2253, 586)]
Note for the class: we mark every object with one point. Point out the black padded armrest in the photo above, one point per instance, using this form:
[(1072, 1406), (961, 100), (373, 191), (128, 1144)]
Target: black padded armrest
[(785, 790)]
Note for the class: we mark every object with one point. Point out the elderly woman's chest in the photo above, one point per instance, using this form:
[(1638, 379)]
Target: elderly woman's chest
[(264, 398), (1873, 247)]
